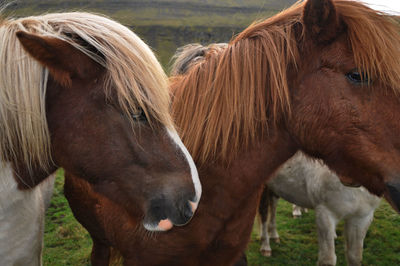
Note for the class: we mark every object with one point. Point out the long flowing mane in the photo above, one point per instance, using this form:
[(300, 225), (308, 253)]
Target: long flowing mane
[(227, 101), (132, 71)]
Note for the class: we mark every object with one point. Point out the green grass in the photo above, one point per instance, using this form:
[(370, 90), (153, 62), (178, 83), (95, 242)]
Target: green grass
[(67, 243)]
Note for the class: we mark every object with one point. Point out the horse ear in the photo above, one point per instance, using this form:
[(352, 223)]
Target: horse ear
[(62, 59), (321, 21)]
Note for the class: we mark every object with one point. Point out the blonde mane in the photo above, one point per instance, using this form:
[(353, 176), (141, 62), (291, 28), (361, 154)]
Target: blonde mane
[(132, 71), (226, 102)]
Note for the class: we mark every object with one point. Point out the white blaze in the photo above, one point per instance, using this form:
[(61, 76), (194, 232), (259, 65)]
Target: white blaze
[(193, 169)]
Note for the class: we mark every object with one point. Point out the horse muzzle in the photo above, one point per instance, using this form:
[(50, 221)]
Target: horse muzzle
[(162, 216), (392, 194)]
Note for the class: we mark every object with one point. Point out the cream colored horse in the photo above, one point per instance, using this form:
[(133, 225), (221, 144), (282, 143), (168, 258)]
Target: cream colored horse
[(310, 184), (22, 215)]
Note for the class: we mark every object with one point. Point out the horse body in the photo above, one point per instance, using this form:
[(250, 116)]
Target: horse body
[(83, 92), (321, 190), (297, 81), (22, 215)]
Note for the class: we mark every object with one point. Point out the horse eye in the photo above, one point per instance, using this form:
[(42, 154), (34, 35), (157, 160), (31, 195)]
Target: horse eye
[(357, 77), (139, 115)]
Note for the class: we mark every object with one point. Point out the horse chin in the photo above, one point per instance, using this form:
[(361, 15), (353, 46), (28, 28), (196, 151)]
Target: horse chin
[(392, 195), (163, 225)]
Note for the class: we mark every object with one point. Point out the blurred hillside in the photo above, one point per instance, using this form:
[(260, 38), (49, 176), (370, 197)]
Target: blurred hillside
[(163, 12), (166, 24)]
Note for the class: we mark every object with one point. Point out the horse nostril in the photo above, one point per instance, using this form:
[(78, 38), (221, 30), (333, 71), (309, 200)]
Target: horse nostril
[(158, 209), (187, 212)]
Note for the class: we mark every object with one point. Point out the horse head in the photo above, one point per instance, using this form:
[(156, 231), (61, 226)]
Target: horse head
[(106, 107), (345, 94)]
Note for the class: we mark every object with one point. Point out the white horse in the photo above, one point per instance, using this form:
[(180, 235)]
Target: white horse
[(22, 215), (310, 184)]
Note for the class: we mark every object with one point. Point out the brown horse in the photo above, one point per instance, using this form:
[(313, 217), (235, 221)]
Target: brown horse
[(321, 77), (83, 92)]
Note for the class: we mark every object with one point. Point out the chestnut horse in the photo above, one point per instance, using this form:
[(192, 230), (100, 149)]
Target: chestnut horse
[(83, 92), (321, 77), (311, 184)]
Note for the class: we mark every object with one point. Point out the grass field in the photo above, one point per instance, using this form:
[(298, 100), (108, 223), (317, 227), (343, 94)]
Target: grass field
[(67, 243)]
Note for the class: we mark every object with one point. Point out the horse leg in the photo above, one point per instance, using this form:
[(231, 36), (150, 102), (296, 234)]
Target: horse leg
[(296, 211), (326, 227), (100, 253), (265, 248), (273, 232), (355, 230)]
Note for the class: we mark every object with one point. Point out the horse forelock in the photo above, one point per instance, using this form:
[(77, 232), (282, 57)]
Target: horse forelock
[(133, 74), (374, 38), (226, 100)]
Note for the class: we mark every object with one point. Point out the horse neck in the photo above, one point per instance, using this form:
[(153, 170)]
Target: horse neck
[(245, 175), (230, 199)]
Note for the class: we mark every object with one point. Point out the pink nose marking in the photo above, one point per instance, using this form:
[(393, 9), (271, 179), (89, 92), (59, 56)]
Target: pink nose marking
[(165, 225), (193, 205)]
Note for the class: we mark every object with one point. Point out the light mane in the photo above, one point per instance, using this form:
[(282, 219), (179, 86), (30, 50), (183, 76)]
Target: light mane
[(225, 102), (191, 54), (132, 71)]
